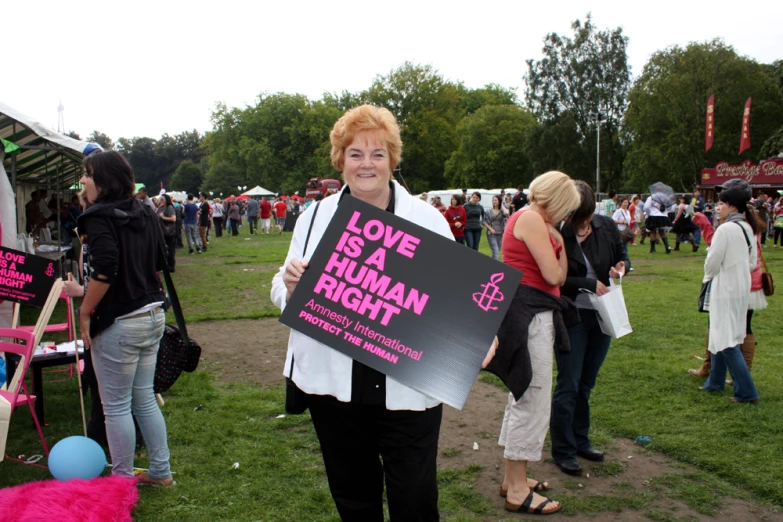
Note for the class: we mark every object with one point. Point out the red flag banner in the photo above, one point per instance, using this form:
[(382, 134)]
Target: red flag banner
[(710, 131), (745, 140)]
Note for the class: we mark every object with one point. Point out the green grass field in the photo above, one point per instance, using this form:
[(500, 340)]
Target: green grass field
[(643, 389)]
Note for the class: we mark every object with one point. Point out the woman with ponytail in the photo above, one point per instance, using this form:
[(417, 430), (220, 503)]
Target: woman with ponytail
[(757, 301)]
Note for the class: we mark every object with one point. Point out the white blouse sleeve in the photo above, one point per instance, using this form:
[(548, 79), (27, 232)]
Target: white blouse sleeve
[(279, 291), (716, 253)]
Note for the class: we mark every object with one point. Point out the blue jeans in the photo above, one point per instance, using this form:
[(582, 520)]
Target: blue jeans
[(577, 371), (697, 237), (473, 237), (731, 358), (495, 244), (124, 357), (625, 251)]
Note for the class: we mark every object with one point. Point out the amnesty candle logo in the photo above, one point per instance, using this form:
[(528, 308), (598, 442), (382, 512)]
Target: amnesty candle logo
[(485, 299)]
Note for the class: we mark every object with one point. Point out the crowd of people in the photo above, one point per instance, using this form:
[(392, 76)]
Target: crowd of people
[(198, 218), (636, 220), (373, 430)]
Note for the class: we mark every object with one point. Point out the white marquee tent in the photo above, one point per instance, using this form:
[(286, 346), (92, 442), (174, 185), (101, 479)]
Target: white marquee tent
[(32, 155), (258, 191)]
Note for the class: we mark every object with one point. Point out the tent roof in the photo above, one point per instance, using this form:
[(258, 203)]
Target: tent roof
[(45, 155), (258, 191)]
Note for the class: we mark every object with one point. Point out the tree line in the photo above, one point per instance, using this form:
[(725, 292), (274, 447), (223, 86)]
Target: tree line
[(651, 129)]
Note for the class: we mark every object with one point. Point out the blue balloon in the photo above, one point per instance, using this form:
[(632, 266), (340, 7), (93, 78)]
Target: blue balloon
[(76, 457)]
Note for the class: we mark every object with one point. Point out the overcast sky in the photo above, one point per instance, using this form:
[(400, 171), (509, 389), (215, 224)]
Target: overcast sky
[(146, 68)]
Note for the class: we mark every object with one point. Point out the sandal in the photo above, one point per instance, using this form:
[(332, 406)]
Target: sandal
[(144, 479), (538, 488), (526, 508)]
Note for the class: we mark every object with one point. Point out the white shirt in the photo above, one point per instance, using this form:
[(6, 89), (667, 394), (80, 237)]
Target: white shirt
[(45, 210), (621, 215), (728, 265), (653, 208), (321, 370)]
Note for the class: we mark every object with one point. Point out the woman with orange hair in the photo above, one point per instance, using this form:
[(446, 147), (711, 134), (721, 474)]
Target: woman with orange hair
[(370, 427)]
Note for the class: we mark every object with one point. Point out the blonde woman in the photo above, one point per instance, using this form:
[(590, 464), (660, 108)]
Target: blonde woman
[(532, 244)]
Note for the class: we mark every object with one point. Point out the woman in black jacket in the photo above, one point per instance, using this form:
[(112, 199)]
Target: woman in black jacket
[(121, 317), (595, 253)]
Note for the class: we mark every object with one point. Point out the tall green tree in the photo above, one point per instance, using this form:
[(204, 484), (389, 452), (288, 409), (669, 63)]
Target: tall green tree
[(667, 115), (580, 76), (472, 100), (155, 160), (427, 110), (558, 145), (101, 139), (188, 177), (491, 150), (222, 179), (278, 143), (773, 146)]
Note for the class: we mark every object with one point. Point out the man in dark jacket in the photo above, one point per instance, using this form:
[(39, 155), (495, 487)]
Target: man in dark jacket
[(520, 199)]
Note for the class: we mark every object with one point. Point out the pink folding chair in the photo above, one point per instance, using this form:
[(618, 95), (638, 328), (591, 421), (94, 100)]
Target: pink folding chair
[(59, 327), (17, 393)]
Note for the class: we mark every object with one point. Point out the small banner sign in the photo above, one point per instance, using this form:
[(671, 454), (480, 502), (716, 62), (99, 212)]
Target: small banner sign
[(412, 304), (25, 278)]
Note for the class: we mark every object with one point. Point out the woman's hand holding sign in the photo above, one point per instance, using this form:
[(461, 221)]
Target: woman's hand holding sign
[(490, 353), (293, 272)]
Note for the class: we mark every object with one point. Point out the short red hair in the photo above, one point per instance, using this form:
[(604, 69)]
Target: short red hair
[(373, 123)]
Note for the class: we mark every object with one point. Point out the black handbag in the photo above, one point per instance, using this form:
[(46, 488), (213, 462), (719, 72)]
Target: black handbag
[(627, 234), (177, 352), (704, 297), (297, 401)]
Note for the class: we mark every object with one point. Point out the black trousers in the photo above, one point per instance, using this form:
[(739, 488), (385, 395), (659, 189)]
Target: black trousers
[(218, 221), (363, 445), (178, 235), (234, 227), (577, 372), (171, 242)]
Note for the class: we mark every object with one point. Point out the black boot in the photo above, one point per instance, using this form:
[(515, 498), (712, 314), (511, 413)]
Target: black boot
[(666, 244), (677, 246), (652, 246)]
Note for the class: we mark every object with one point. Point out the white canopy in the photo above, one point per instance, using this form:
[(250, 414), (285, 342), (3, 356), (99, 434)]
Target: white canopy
[(258, 191), (35, 155)]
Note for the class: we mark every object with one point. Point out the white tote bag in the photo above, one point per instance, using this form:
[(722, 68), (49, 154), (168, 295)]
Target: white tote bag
[(612, 314)]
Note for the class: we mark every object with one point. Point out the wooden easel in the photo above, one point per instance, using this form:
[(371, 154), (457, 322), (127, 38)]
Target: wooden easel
[(38, 331)]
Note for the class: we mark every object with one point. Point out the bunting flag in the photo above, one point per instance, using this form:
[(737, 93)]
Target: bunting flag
[(745, 140), (9, 147), (710, 131)]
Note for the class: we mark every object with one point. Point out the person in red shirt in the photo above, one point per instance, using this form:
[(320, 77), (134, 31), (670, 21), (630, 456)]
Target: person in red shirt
[(266, 215), (280, 209), (456, 216)]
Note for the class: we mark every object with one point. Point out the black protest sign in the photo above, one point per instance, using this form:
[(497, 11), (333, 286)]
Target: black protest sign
[(403, 300), (25, 278)]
